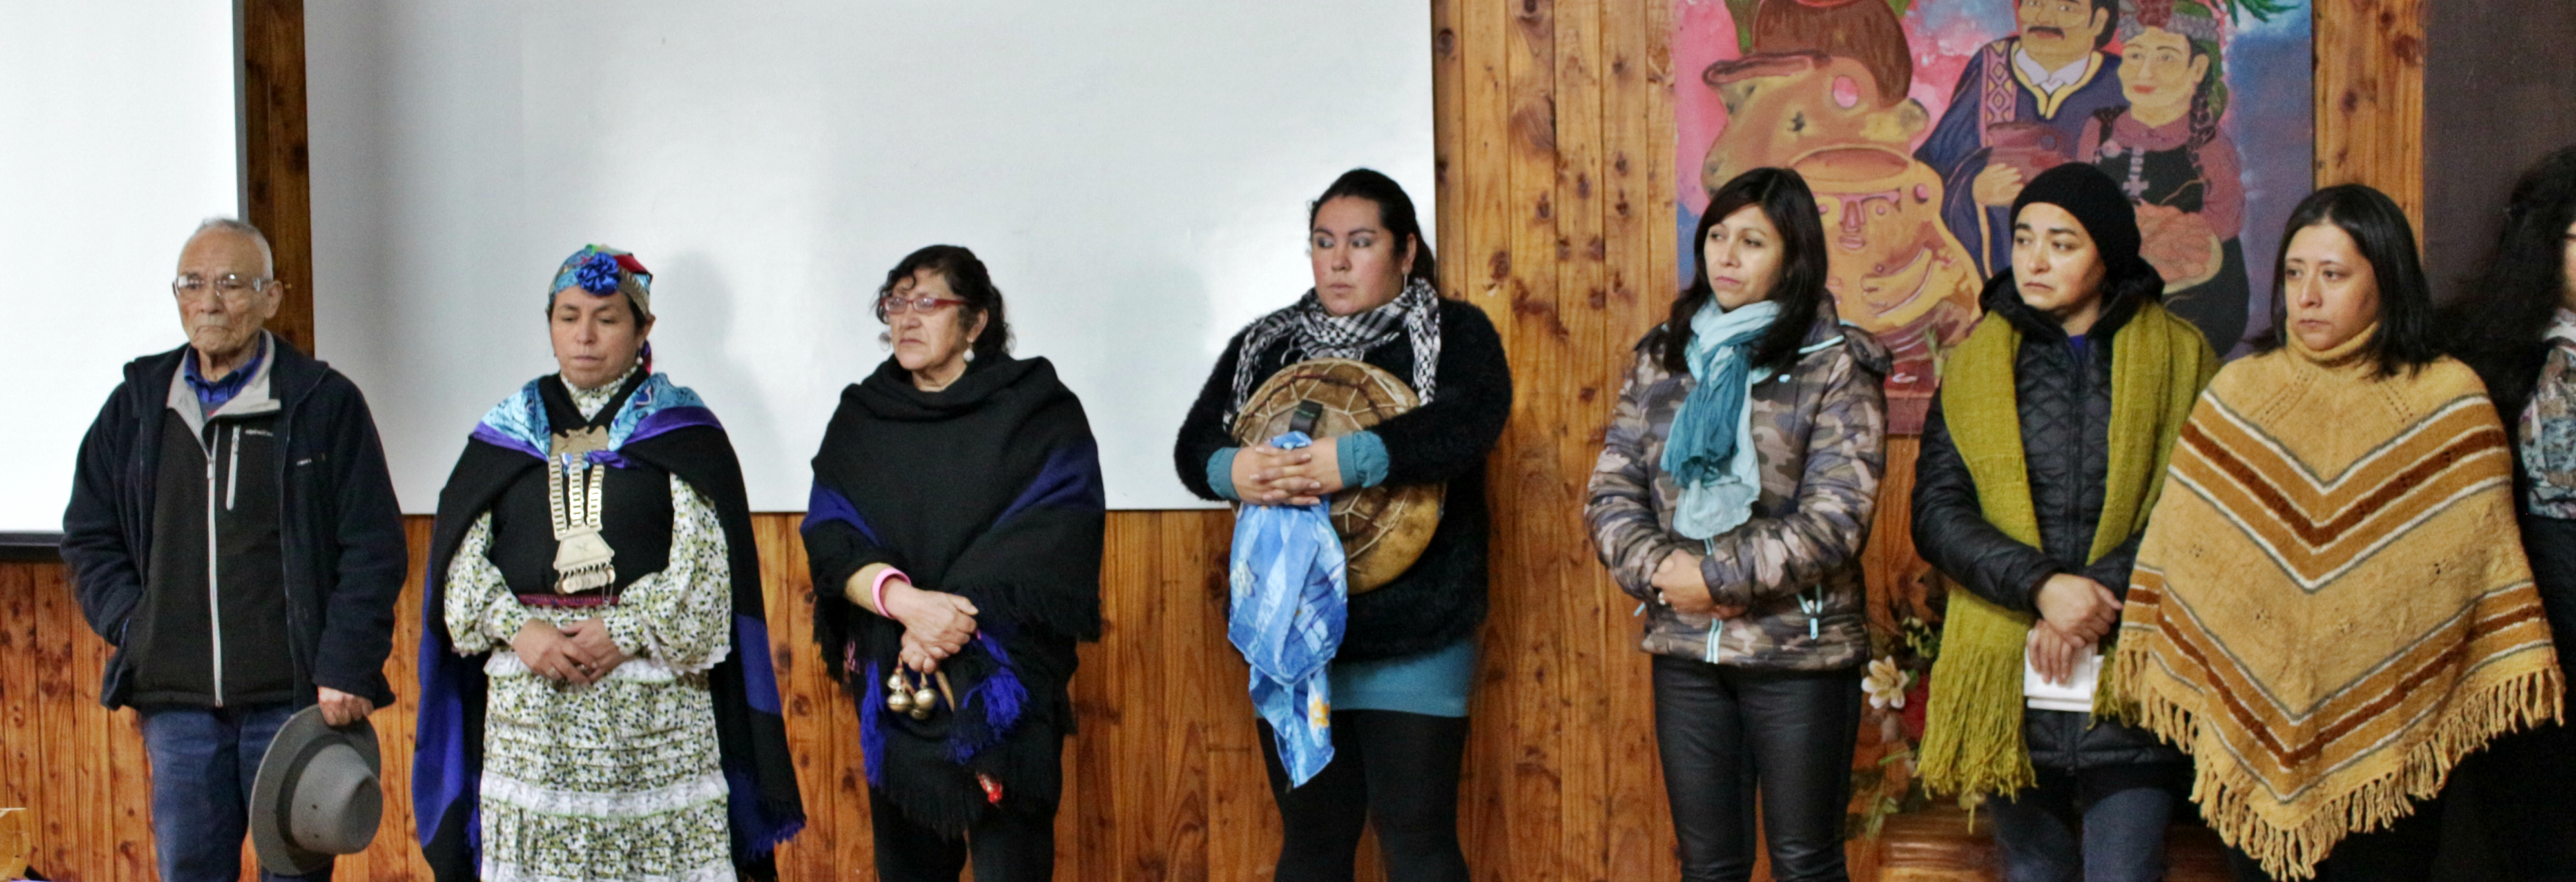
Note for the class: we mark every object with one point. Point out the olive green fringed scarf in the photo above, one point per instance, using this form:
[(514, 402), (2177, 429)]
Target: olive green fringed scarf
[(1972, 740)]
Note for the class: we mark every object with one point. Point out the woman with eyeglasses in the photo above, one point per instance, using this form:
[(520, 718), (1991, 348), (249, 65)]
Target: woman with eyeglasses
[(955, 537)]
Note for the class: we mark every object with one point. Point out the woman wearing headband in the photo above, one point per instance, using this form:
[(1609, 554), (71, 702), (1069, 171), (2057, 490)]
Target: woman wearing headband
[(596, 695)]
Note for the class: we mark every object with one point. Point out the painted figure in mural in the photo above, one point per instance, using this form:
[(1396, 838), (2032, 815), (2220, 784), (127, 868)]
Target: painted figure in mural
[(2019, 108), (1823, 92), (2166, 150)]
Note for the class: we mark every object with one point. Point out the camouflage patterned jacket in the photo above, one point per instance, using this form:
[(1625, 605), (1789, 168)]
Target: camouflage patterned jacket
[(1820, 432)]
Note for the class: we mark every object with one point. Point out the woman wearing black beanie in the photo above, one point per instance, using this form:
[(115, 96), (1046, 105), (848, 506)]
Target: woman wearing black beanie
[(2026, 499)]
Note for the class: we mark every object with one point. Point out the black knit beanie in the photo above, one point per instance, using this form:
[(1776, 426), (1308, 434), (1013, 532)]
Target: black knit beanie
[(2097, 203)]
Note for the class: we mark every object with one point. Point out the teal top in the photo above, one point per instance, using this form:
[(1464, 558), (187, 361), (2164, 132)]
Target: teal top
[(1435, 683)]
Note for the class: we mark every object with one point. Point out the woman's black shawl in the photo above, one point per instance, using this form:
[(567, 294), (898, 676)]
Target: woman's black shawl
[(668, 428), (989, 489)]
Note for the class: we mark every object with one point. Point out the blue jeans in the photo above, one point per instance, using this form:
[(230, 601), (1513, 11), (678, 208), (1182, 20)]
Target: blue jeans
[(203, 763), (2095, 824)]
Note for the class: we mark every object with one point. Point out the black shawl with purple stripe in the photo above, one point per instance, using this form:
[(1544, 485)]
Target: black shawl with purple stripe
[(652, 422), (989, 489)]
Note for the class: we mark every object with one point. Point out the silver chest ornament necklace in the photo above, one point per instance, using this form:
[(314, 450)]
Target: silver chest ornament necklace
[(583, 560)]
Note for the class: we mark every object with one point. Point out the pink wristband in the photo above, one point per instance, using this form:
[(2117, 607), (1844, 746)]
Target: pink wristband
[(878, 591)]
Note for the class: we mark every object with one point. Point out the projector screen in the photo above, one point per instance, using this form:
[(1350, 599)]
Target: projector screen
[(120, 136), (1135, 175)]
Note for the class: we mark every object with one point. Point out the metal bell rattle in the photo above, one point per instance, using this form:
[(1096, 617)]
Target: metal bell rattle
[(898, 693), (918, 700)]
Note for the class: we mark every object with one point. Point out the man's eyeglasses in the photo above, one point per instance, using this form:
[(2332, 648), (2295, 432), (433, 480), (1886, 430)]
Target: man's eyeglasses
[(925, 304), (229, 286)]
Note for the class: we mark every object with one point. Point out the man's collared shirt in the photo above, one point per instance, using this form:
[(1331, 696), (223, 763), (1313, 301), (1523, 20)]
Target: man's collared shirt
[(2051, 82), (212, 394)]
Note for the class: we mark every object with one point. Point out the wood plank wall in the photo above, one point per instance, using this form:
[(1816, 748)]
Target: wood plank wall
[(277, 173), (1554, 130)]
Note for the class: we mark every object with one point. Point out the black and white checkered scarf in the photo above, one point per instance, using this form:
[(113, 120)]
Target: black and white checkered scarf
[(1314, 333)]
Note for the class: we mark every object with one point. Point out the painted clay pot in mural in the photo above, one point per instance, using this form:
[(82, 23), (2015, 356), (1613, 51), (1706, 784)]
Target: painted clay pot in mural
[(1782, 106), (1894, 268), (1385, 528)]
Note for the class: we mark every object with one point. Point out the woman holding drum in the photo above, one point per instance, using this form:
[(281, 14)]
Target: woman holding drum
[(1370, 334)]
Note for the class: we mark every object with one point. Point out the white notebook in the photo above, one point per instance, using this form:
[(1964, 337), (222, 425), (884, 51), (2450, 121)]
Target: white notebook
[(2075, 695)]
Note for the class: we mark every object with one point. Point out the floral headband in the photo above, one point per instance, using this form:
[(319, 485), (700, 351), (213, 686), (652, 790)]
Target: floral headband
[(2192, 19), (602, 271)]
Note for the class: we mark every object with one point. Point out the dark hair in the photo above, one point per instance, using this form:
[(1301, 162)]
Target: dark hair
[(2380, 230), (967, 278), (2499, 326), (2110, 10), (1800, 290), (1394, 212)]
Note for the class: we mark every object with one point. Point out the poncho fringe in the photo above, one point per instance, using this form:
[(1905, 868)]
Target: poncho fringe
[(2225, 793)]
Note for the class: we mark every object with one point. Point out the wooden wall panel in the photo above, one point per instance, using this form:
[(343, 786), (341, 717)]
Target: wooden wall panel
[(277, 178), (1554, 126), (2370, 98)]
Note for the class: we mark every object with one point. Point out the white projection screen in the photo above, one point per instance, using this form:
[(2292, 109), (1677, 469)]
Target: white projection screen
[(1135, 174), (117, 135)]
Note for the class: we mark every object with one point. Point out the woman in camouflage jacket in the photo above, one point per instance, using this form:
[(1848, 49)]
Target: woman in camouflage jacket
[(1752, 592)]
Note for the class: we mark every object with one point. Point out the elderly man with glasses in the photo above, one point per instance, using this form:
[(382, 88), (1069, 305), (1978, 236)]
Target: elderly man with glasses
[(233, 533)]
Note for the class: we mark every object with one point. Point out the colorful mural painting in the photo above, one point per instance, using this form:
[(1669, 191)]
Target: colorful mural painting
[(1916, 122)]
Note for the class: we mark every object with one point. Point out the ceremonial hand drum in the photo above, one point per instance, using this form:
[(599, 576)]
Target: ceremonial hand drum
[(1384, 528)]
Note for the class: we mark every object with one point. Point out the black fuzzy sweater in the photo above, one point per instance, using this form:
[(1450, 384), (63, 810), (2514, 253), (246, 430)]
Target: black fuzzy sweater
[(1442, 597)]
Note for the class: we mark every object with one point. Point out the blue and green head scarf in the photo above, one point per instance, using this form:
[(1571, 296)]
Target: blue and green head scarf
[(602, 271)]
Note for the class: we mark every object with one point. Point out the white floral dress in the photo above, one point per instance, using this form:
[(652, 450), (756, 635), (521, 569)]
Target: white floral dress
[(617, 780)]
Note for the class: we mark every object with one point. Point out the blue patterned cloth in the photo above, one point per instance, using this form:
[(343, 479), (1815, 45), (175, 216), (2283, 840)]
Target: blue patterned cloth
[(1291, 600)]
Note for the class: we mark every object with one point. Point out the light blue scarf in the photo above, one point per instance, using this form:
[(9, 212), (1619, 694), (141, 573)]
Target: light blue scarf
[(1291, 599), (1710, 450)]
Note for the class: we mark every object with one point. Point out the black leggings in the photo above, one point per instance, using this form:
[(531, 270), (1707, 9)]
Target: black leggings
[(1396, 768), (1725, 733)]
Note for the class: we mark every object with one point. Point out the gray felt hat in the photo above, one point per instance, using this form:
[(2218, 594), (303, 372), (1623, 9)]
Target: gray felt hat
[(316, 795)]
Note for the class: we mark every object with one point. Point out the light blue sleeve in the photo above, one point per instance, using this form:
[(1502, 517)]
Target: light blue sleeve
[(1220, 472), (1363, 459)]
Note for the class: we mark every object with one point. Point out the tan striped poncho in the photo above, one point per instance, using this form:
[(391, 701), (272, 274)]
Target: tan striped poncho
[(2331, 605)]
